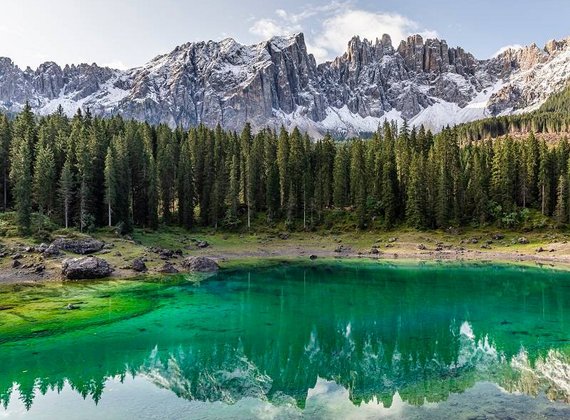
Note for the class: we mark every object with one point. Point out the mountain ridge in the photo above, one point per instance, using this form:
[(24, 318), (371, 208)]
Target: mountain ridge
[(278, 82)]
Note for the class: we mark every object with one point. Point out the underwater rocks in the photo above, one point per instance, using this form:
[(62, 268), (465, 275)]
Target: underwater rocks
[(78, 246), (85, 268), (200, 264)]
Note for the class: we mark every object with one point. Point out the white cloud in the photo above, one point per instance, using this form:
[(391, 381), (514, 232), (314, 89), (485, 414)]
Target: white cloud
[(338, 30), (116, 64), (506, 48), (267, 28), (334, 24)]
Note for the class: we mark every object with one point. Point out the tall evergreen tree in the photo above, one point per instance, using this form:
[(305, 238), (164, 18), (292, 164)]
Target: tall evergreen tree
[(561, 211), (66, 190), (185, 186), (44, 179), (21, 158), (272, 185), (390, 196), (417, 193), (341, 177), (5, 139)]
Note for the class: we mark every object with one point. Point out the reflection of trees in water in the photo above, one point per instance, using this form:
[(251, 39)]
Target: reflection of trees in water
[(228, 374), (225, 373), (385, 335)]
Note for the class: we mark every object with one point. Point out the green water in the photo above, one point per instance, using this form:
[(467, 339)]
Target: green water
[(319, 340)]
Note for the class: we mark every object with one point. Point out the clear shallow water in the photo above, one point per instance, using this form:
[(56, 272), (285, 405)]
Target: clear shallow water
[(324, 340)]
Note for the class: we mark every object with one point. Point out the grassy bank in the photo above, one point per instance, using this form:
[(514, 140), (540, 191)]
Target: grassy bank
[(546, 246)]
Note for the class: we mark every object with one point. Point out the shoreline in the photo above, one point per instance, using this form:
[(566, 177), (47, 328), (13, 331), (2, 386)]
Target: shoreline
[(296, 251)]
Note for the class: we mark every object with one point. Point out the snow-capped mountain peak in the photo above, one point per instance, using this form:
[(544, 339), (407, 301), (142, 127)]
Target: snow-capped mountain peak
[(277, 82)]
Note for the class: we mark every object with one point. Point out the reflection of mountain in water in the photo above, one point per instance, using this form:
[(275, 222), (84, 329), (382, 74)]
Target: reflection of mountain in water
[(228, 375), (378, 333)]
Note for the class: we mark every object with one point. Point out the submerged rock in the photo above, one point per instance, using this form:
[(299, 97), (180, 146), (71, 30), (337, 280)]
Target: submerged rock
[(85, 268), (200, 264), (78, 246)]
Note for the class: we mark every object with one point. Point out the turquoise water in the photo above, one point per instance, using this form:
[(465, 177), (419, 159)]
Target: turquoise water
[(321, 340)]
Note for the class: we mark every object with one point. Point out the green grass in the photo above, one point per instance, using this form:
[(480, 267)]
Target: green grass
[(265, 242), (33, 310)]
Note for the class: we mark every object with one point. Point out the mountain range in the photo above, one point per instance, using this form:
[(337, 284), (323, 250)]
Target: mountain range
[(277, 82)]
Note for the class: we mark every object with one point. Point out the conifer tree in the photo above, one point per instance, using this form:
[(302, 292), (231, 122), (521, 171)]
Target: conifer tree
[(389, 179), (166, 170), (44, 179), (341, 177), (283, 164), (543, 177), (416, 194), (21, 158), (561, 211), (272, 186), (111, 182), (117, 184), (85, 179), (21, 179), (358, 181), (66, 190), (5, 138), (231, 220), (185, 186)]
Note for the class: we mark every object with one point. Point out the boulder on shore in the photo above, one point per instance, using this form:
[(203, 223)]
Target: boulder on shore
[(51, 251), (200, 264), (81, 246), (139, 265), (85, 268), (168, 268)]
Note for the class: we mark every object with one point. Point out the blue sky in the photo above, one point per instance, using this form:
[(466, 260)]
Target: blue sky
[(127, 33)]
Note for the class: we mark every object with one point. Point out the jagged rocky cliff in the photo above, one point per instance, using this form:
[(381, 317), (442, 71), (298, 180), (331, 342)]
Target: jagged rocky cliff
[(278, 82)]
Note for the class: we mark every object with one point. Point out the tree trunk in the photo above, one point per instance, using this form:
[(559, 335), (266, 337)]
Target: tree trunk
[(65, 210), (304, 207), (543, 204), (248, 216), (5, 188)]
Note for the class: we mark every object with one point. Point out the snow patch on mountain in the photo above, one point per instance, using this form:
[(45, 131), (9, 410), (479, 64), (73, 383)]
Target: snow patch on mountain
[(277, 82)]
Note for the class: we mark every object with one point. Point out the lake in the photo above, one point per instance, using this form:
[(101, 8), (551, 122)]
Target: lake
[(326, 339)]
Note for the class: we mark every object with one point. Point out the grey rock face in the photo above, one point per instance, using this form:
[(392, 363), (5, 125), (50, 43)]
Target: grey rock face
[(85, 268), (200, 264), (168, 268), (138, 265), (51, 251), (78, 246), (278, 82)]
